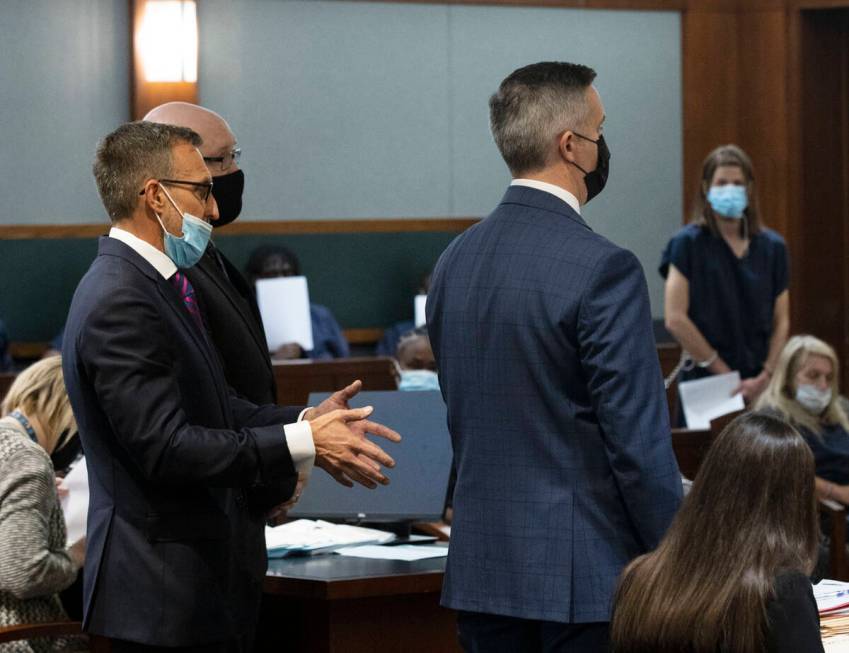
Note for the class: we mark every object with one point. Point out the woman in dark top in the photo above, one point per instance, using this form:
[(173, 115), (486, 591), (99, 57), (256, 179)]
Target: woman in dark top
[(726, 295), (805, 392), (730, 575)]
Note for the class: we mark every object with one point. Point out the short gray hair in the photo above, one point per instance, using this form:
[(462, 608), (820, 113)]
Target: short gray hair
[(129, 156), (533, 105)]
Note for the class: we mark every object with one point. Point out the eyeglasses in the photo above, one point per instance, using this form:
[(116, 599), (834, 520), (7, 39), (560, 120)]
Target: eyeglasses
[(222, 163), (202, 188)]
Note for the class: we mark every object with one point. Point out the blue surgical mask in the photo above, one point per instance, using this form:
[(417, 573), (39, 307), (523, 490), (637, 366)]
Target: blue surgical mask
[(813, 399), (729, 200), (187, 250), (418, 380)]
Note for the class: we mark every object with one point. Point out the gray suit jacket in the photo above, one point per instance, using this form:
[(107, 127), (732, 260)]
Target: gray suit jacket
[(543, 339)]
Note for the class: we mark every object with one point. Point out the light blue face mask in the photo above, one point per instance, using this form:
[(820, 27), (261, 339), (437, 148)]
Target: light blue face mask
[(185, 251), (813, 399), (729, 200), (418, 380)]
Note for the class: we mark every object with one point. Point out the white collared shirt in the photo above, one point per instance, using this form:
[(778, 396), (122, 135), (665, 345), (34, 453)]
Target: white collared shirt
[(557, 191), (298, 435)]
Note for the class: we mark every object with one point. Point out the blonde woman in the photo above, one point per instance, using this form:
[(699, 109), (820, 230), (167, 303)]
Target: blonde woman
[(34, 561), (804, 390)]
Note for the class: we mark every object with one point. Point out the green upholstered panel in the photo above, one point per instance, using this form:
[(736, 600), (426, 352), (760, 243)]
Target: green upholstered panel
[(367, 279)]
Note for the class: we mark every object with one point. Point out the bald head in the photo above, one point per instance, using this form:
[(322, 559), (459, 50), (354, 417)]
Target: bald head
[(218, 150), (218, 140)]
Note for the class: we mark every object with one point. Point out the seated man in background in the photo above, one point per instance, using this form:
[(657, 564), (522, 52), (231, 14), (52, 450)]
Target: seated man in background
[(416, 363), (392, 334), (271, 261)]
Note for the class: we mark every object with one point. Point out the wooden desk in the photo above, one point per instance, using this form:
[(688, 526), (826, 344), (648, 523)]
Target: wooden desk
[(332, 604), (296, 379)]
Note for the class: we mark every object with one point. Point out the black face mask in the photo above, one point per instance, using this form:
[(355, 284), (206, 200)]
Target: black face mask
[(227, 190), (596, 179)]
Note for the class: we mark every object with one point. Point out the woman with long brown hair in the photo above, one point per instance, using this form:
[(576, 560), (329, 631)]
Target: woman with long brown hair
[(731, 574), (726, 295)]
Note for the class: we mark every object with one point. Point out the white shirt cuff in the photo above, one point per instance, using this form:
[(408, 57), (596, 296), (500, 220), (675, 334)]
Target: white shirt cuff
[(301, 446)]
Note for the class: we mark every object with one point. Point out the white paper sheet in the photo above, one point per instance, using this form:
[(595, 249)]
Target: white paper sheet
[(419, 304), (75, 504), (284, 303), (303, 535), (837, 644), (709, 398), (408, 552)]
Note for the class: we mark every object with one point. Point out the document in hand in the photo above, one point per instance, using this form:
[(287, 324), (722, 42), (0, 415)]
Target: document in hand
[(709, 398), (75, 503), (307, 536), (284, 303), (419, 305)]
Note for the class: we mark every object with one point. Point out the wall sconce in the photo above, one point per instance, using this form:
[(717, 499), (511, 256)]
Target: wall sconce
[(165, 53)]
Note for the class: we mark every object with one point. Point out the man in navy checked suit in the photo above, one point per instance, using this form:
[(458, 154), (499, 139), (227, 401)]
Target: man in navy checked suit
[(543, 339)]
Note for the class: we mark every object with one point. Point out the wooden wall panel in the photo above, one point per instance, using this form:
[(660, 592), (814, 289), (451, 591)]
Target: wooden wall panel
[(710, 89), (762, 115), (822, 236)]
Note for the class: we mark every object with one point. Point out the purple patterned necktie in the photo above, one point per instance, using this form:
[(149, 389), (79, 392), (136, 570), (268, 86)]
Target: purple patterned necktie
[(187, 293)]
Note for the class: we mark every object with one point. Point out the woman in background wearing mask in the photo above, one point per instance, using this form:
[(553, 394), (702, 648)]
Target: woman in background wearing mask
[(726, 297), (804, 391)]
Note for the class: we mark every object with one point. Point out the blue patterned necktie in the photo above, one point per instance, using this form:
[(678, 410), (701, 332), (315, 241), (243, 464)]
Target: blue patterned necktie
[(187, 293)]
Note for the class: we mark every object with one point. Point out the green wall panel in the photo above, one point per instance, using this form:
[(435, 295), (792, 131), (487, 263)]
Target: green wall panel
[(367, 279)]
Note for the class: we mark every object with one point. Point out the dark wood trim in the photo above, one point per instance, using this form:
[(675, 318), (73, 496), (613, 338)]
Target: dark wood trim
[(373, 225), (415, 583), (363, 336), (23, 350), (257, 228)]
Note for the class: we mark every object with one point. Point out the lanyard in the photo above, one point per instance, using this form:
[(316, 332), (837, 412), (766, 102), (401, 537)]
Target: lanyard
[(18, 415)]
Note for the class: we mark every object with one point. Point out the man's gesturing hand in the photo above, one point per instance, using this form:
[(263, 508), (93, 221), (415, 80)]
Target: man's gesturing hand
[(343, 451), (337, 401)]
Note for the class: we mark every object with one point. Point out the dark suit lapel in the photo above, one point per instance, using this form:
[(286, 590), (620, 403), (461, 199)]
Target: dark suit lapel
[(113, 247), (207, 267), (175, 302)]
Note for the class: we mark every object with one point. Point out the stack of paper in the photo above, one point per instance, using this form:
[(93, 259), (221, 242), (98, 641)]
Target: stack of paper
[(306, 536), (831, 596)]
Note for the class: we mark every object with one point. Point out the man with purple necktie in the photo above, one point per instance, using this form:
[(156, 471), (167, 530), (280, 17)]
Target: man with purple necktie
[(180, 469)]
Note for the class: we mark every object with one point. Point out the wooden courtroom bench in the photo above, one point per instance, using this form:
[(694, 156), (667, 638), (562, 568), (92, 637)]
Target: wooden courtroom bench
[(296, 379)]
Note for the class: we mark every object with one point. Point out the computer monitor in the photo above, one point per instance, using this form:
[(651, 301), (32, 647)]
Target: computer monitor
[(419, 479)]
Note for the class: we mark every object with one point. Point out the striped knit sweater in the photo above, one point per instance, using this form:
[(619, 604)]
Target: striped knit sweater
[(33, 563)]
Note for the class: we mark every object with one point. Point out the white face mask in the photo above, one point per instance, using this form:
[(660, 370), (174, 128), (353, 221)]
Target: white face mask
[(813, 399)]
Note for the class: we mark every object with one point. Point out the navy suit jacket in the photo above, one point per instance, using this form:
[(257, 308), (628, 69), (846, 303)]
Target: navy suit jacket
[(235, 326), (565, 471), (175, 553)]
